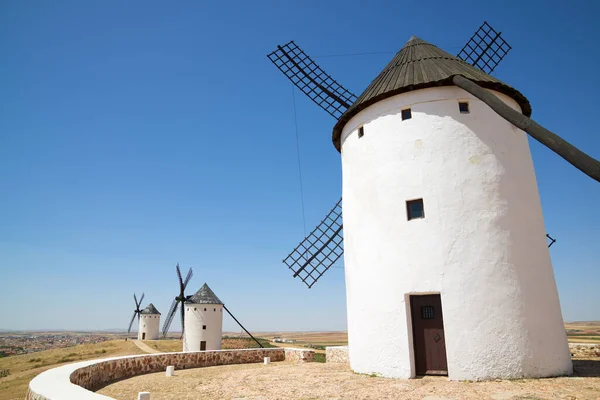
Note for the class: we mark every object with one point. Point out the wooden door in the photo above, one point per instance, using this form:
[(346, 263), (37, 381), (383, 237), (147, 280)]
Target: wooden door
[(143, 335), (428, 335), (203, 345)]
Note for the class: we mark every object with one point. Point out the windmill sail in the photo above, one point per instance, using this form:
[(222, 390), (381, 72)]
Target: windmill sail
[(485, 49), (137, 310), (178, 301), (319, 250), (311, 79)]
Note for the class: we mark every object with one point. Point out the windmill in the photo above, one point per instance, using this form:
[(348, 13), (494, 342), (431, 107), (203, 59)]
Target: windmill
[(322, 248), (137, 311), (446, 256), (204, 316), (177, 302)]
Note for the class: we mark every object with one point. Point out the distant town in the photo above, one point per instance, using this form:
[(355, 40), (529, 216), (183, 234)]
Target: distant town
[(14, 343)]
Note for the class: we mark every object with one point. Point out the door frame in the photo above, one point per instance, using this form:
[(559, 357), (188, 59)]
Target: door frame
[(411, 327)]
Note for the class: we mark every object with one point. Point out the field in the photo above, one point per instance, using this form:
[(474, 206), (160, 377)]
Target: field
[(314, 340), (583, 332), (26, 366)]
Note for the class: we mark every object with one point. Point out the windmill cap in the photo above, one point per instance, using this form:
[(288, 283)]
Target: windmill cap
[(204, 295), (150, 309), (420, 65)]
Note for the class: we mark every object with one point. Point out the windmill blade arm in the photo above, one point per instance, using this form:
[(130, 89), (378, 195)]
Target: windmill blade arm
[(187, 278), (131, 323), (141, 300), (242, 326), (179, 274), (307, 76), (182, 318), (319, 250), (169, 318), (576, 157)]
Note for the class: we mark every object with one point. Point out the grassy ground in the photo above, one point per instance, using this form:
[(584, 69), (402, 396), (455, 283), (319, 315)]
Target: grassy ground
[(25, 367)]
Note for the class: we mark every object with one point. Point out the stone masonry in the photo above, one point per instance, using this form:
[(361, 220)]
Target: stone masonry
[(337, 354)]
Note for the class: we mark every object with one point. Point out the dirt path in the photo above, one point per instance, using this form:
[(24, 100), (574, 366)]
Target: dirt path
[(336, 381), (144, 347)]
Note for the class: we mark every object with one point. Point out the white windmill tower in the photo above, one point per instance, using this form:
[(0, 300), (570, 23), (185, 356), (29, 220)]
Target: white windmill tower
[(149, 323), (203, 321), (442, 217), (447, 266)]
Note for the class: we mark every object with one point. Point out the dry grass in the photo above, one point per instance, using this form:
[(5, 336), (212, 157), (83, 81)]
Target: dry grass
[(165, 346), (25, 367), (583, 332), (335, 381)]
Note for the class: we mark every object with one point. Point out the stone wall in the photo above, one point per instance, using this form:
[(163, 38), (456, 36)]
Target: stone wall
[(79, 380), (584, 350), (337, 354), (299, 355)]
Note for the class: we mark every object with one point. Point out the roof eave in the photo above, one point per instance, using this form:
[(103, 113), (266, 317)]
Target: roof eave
[(352, 111)]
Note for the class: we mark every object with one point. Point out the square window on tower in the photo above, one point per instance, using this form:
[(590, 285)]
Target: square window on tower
[(406, 114), (204, 327), (361, 132), (414, 209), (463, 107)]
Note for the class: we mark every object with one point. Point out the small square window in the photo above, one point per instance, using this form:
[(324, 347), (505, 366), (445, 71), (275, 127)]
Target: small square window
[(205, 309), (361, 132), (427, 312), (463, 107), (414, 209), (203, 326), (406, 114)]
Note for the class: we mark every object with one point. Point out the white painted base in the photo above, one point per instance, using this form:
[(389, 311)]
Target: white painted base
[(144, 396), (267, 360), (170, 370)]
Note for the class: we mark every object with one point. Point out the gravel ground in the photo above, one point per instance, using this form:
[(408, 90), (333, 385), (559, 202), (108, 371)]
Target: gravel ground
[(335, 381)]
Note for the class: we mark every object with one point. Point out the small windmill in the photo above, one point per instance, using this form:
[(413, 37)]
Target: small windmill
[(322, 248), (137, 311), (178, 301)]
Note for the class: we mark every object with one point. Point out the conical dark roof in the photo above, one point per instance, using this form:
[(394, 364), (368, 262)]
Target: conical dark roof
[(420, 65), (150, 309), (204, 296)]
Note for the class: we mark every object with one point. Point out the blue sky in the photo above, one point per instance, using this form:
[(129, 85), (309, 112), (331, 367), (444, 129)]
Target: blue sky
[(135, 135)]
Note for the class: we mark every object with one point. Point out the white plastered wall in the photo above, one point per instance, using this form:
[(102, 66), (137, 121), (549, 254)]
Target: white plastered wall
[(197, 316), (481, 245), (149, 324)]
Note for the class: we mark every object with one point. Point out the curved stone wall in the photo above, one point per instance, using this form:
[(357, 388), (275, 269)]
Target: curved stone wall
[(79, 380)]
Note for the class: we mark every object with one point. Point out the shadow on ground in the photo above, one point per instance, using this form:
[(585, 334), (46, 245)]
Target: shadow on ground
[(586, 368)]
